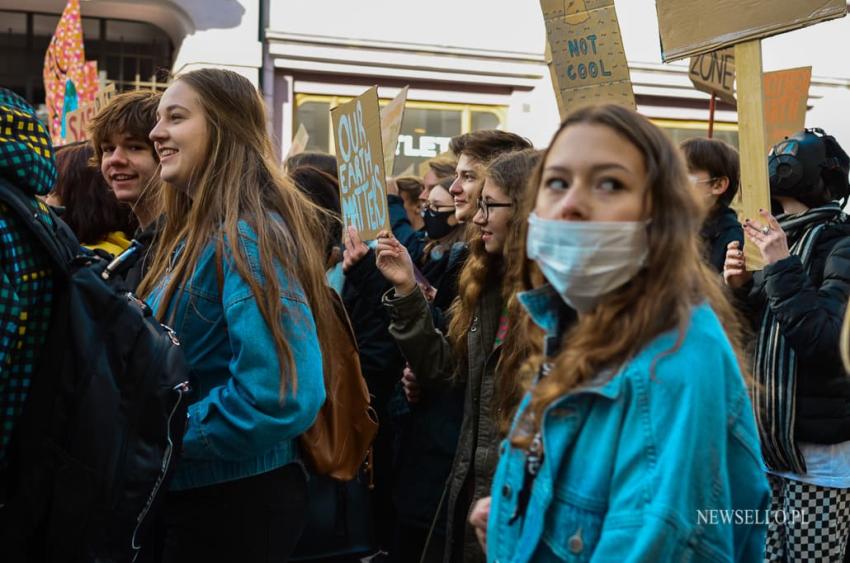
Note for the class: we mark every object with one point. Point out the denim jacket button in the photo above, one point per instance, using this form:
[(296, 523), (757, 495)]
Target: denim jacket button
[(576, 543), (506, 491)]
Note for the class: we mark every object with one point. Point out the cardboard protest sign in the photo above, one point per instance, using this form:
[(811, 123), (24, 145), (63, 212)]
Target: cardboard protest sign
[(585, 53), (786, 93), (714, 73), (77, 121), (360, 161), (69, 80), (392, 115), (692, 27), (299, 142)]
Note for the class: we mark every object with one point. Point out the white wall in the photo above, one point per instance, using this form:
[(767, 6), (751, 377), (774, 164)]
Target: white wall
[(231, 42)]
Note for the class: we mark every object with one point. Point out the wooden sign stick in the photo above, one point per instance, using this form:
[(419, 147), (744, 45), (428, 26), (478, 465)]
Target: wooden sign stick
[(755, 184), (711, 105)]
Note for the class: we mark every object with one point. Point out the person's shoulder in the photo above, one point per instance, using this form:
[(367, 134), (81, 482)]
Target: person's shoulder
[(693, 356)]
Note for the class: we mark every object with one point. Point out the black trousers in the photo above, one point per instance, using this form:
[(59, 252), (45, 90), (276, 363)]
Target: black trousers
[(256, 519)]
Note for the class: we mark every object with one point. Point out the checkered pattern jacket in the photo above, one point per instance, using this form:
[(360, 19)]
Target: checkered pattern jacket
[(26, 281)]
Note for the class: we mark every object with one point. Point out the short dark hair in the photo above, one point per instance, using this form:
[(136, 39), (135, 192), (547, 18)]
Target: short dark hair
[(319, 160), (718, 158), (486, 144), (91, 209)]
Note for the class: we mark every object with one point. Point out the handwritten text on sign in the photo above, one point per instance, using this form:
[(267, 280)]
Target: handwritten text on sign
[(360, 161), (585, 54), (786, 93), (715, 73)]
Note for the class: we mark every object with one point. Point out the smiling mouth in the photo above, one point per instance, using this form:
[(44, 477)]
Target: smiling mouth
[(164, 153), (123, 177)]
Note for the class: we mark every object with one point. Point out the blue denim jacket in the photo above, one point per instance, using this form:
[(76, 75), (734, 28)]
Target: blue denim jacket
[(238, 426), (641, 465)]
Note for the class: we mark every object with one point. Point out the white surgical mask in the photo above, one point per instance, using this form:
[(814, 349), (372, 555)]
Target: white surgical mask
[(585, 260)]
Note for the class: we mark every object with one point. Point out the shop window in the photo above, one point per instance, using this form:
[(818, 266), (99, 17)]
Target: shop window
[(425, 132)]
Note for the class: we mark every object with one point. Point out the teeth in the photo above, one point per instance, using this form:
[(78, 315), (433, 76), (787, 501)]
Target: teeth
[(167, 152), (120, 177)]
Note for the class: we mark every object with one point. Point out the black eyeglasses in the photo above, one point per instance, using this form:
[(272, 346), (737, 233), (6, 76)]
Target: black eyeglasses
[(485, 207)]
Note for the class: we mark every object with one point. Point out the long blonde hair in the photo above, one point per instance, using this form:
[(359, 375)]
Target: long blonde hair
[(240, 179), (659, 298)]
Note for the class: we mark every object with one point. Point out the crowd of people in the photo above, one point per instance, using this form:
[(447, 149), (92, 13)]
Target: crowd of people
[(567, 355)]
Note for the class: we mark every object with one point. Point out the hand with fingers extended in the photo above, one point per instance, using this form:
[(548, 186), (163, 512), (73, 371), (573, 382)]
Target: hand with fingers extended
[(355, 249), (395, 264), (735, 272), (478, 520), (412, 391), (769, 239)]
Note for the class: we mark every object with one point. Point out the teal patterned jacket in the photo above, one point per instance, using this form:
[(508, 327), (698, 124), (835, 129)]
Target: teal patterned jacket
[(26, 282)]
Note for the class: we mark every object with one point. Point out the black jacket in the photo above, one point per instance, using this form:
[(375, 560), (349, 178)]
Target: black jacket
[(810, 309), (721, 228), (129, 278)]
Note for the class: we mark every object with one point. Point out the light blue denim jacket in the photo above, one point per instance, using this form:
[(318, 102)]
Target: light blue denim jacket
[(635, 463), (238, 426)]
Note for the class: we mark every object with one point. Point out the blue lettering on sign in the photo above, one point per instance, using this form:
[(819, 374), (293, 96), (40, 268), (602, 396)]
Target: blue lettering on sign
[(360, 185), (583, 47)]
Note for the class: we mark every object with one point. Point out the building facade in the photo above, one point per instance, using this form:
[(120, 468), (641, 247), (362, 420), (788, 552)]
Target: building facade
[(469, 65)]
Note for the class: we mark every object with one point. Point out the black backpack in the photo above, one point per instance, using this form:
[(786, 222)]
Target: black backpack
[(103, 424)]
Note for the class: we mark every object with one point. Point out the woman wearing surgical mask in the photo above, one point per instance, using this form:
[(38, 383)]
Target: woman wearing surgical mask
[(638, 426), (476, 344)]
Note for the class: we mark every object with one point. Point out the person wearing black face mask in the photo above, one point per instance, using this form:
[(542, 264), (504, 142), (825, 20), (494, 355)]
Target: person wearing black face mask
[(796, 304)]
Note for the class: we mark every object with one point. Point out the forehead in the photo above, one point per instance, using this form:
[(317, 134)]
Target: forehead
[(179, 94), (491, 189), (585, 145), (440, 195), (467, 163), (123, 138)]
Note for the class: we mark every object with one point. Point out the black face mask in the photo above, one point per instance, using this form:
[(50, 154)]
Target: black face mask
[(437, 223)]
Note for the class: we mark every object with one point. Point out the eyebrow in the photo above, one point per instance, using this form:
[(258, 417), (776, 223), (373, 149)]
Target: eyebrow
[(176, 106), (594, 168)]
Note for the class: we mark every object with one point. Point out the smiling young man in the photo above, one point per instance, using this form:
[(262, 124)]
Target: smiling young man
[(129, 163), (474, 151)]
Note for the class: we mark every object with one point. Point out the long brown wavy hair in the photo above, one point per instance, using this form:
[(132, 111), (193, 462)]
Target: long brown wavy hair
[(511, 172), (240, 179), (659, 298)]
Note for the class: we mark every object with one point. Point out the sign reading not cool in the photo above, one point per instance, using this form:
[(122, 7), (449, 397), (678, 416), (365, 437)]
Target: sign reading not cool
[(360, 162)]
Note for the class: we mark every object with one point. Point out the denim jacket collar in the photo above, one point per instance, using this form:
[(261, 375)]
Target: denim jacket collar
[(548, 311)]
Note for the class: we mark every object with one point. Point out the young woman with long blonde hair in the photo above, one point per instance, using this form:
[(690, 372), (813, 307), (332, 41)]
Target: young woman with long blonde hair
[(239, 275), (640, 418)]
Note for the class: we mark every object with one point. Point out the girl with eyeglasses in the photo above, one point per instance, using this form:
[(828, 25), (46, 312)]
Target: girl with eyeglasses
[(476, 345)]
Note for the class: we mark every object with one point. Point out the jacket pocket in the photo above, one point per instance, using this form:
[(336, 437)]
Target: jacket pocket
[(570, 533)]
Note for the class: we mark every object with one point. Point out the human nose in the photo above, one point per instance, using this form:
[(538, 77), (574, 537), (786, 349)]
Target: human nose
[(480, 217), (118, 156), (573, 205), (157, 133), (455, 188)]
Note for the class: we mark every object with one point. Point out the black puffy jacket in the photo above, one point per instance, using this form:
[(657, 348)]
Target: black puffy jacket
[(810, 309)]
